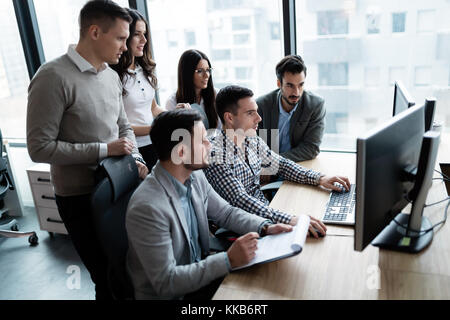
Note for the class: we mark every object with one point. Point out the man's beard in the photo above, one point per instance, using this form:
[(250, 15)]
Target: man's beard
[(292, 104), (196, 166)]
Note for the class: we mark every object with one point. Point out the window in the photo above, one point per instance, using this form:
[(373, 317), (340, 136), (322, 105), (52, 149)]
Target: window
[(58, 24), (240, 23), (14, 77), (275, 31), (373, 23), (232, 33), (224, 54), (359, 94), (425, 20), (332, 22), (333, 74), (422, 76), (241, 38), (224, 4), (172, 38), (190, 38), (398, 22)]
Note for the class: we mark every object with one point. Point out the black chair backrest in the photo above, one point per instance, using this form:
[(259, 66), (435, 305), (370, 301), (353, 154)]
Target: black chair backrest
[(4, 183), (117, 179), (1, 144)]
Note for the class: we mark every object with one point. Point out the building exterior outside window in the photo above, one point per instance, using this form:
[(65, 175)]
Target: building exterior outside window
[(242, 39), (356, 49)]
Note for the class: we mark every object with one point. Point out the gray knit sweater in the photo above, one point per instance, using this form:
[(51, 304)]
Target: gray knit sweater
[(72, 110)]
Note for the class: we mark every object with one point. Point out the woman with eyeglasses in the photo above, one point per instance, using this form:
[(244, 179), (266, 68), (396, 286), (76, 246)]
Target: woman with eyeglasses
[(195, 88), (136, 70)]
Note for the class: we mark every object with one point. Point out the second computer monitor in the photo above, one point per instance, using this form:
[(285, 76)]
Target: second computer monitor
[(402, 98), (384, 155)]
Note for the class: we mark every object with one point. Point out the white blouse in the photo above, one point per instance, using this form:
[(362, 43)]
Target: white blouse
[(171, 104), (138, 102)]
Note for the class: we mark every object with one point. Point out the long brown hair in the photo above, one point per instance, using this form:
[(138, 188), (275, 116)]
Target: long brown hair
[(146, 62), (186, 90)]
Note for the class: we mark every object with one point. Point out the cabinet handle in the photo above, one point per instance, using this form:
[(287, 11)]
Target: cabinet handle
[(43, 180), (48, 198), (54, 221)]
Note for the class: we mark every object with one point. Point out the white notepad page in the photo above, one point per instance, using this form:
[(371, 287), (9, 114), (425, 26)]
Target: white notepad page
[(283, 245)]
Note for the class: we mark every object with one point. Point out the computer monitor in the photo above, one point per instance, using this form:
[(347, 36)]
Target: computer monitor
[(402, 98), (395, 164)]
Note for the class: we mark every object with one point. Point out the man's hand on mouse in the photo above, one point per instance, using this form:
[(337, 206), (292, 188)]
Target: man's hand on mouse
[(329, 182), (316, 226)]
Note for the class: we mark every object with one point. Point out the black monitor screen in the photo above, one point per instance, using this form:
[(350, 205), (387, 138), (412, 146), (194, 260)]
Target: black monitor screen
[(382, 156), (402, 99)]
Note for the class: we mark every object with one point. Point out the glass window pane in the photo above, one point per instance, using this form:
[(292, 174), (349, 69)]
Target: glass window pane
[(398, 22), (355, 50), (332, 22), (14, 77), (58, 24), (240, 23), (333, 74), (190, 38), (241, 38), (373, 21)]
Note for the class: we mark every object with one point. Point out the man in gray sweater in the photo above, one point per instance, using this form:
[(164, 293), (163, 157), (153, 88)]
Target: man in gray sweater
[(75, 118), (298, 115)]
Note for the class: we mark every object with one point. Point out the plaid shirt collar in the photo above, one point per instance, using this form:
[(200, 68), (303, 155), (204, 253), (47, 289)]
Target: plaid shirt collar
[(226, 151)]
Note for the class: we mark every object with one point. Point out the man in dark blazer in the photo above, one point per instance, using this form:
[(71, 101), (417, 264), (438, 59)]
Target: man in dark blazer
[(298, 115)]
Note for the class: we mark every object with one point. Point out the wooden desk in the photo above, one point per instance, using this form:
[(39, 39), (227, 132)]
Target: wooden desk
[(329, 268)]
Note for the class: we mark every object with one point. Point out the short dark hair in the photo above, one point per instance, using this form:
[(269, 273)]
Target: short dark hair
[(292, 64), (165, 124), (228, 97), (101, 12)]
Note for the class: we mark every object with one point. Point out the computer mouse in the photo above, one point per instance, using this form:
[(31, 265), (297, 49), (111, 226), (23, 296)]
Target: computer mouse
[(319, 233), (340, 186)]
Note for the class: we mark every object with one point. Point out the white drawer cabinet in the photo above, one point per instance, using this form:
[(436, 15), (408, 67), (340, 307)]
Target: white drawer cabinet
[(44, 199)]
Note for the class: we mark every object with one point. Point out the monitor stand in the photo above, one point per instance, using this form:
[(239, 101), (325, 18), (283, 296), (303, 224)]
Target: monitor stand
[(397, 238), (404, 236)]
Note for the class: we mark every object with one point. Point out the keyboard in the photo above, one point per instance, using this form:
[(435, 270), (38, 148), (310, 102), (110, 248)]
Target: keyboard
[(341, 207)]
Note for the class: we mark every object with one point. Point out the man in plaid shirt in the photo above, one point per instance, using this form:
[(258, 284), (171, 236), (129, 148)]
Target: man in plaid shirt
[(239, 157)]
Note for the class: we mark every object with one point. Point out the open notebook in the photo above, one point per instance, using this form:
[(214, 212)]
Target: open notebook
[(280, 246)]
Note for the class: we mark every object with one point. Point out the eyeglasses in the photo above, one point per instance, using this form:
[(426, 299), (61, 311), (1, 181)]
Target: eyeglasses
[(203, 71)]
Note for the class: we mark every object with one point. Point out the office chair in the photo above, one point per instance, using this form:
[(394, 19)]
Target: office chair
[(10, 229), (117, 178), (270, 189)]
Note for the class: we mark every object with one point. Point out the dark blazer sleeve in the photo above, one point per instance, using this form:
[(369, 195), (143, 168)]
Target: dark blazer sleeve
[(308, 131), (267, 105)]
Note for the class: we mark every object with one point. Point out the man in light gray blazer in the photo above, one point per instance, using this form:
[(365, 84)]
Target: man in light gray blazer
[(167, 218), (298, 115)]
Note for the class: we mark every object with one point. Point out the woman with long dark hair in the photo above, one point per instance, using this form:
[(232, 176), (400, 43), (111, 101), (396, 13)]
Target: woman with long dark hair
[(136, 70), (195, 87)]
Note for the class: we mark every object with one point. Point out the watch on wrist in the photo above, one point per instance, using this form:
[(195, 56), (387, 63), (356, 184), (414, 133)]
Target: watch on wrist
[(264, 228)]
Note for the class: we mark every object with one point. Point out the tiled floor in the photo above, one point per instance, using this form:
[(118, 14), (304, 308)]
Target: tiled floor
[(52, 270)]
